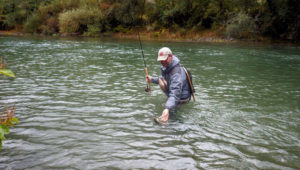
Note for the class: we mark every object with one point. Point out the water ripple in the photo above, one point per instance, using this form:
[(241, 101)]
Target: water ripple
[(81, 105)]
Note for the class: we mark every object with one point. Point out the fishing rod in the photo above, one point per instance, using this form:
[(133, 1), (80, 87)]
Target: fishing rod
[(148, 88)]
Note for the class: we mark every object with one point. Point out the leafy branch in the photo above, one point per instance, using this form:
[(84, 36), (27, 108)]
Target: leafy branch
[(3, 69), (7, 120)]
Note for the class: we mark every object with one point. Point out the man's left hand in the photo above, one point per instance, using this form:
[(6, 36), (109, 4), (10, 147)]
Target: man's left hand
[(149, 78)]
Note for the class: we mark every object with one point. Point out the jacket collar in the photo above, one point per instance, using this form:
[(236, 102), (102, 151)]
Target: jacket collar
[(173, 63)]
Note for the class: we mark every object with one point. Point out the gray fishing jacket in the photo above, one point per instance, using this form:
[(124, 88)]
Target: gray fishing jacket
[(178, 86)]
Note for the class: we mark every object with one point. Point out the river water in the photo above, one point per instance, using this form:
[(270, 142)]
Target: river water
[(81, 105)]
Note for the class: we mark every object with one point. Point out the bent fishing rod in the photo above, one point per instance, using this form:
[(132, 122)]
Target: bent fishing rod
[(148, 88)]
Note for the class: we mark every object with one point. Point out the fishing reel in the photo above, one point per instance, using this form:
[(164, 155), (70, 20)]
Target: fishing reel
[(147, 89)]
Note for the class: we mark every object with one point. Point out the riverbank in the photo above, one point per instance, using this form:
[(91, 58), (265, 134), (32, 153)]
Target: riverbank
[(165, 35), (203, 36)]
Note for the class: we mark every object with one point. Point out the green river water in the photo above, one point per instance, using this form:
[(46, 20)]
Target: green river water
[(81, 105)]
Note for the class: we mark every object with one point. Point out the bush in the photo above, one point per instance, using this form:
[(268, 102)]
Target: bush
[(240, 26), (33, 24), (121, 29), (10, 21), (51, 26), (80, 20), (45, 18), (93, 30)]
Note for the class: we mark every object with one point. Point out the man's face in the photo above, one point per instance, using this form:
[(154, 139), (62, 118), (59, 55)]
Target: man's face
[(166, 62)]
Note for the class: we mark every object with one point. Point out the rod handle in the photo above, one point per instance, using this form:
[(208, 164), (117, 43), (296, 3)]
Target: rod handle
[(149, 87)]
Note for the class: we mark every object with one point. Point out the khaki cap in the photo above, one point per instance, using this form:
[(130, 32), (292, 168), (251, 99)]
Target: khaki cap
[(163, 54)]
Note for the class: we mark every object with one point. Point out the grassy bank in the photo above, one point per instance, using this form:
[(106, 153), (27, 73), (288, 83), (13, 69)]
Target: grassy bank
[(164, 35)]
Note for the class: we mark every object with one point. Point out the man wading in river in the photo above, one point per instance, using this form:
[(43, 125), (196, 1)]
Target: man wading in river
[(173, 81)]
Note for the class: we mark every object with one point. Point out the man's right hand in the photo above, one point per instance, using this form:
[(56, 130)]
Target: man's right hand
[(165, 115), (149, 78)]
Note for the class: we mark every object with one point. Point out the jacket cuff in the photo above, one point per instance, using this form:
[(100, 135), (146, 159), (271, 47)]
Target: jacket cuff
[(154, 80)]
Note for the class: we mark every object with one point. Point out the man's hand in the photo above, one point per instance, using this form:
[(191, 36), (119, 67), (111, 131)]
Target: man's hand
[(149, 78), (165, 115)]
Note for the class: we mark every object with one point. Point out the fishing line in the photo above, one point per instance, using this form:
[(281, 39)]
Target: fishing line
[(142, 49), (148, 87)]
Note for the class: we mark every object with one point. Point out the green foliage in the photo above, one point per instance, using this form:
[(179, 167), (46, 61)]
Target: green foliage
[(280, 19), (273, 18), (93, 30), (126, 13), (16, 12), (4, 130), (10, 21), (49, 15), (7, 72), (69, 21), (33, 24), (240, 26), (79, 20), (7, 120), (121, 29), (4, 70), (51, 26)]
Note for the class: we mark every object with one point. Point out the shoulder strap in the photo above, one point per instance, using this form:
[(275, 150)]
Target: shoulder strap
[(190, 82)]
